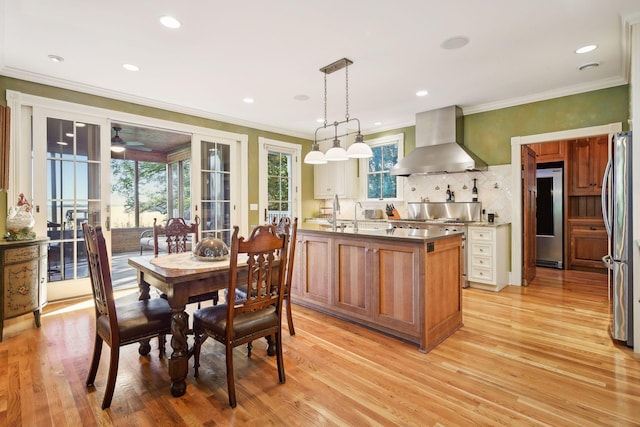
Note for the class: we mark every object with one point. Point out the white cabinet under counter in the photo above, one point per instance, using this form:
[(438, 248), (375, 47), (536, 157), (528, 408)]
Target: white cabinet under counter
[(488, 256)]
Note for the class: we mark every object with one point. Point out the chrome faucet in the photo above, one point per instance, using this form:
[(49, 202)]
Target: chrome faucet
[(336, 208), (355, 216)]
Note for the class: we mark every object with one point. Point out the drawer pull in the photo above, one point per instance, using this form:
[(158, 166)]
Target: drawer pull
[(593, 228)]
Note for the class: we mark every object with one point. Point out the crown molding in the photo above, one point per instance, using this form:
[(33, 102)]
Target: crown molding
[(148, 102), (544, 96)]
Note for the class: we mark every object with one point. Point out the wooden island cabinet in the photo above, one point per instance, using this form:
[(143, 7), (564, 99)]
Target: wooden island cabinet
[(406, 283)]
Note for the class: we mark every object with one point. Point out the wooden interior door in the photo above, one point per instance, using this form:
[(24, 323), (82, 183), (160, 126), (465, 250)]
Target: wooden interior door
[(529, 193)]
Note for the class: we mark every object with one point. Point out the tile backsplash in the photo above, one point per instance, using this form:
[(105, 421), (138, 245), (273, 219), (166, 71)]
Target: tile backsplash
[(494, 189), (494, 192)]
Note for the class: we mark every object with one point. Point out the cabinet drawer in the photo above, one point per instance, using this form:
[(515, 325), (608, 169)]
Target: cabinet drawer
[(481, 249), (481, 261), (21, 254), (481, 273), (485, 235)]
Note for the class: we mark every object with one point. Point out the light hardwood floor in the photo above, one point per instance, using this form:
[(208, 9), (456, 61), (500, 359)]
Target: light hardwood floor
[(525, 356)]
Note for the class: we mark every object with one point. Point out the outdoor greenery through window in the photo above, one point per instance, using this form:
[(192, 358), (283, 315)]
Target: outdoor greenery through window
[(380, 184), (279, 189), (135, 203)]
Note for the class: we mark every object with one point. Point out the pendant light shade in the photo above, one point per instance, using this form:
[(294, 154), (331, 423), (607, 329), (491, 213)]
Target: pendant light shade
[(336, 153), (357, 150), (315, 156)]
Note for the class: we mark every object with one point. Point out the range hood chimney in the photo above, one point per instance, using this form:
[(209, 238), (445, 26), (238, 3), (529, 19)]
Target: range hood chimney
[(439, 149)]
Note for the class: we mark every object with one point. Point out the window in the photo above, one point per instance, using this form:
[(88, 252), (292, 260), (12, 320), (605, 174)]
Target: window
[(379, 183), (139, 193)]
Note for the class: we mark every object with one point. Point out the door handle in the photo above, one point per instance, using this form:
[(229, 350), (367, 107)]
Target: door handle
[(604, 201)]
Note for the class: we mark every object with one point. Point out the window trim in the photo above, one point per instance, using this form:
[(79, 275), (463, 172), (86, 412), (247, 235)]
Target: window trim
[(364, 166)]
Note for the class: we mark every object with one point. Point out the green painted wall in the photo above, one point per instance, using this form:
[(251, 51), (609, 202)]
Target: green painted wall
[(112, 104), (489, 134)]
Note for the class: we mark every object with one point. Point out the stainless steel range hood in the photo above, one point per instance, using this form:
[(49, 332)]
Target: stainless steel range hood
[(439, 149)]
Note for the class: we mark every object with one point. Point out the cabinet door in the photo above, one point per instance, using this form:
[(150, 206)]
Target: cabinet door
[(315, 269), (352, 273), (329, 180), (588, 159), (600, 155), (553, 151), (335, 178), (21, 288), (581, 179), (395, 282)]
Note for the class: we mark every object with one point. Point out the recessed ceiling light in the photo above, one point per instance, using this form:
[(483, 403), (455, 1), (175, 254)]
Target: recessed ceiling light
[(585, 49), (80, 124), (320, 120), (130, 67), (248, 100), (301, 97), (56, 58), (588, 66), (61, 143), (69, 134), (422, 93), (170, 22), (455, 42), (377, 123)]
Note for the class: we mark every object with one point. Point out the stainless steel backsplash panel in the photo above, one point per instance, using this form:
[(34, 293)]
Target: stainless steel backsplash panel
[(467, 211)]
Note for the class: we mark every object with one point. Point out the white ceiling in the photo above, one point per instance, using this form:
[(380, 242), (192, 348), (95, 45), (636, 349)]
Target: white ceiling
[(271, 50)]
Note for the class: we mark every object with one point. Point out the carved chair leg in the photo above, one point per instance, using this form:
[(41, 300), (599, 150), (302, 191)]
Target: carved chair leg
[(162, 340), (197, 345), (249, 348), (271, 345)]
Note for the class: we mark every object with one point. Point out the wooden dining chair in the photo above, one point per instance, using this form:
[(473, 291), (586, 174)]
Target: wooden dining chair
[(174, 238), (260, 314), (281, 227), (118, 323)]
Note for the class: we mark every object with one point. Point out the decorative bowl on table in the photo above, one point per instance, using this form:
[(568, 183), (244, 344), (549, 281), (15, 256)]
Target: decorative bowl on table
[(211, 249)]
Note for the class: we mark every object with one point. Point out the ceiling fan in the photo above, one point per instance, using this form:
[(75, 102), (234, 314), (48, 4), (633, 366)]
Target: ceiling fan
[(118, 144)]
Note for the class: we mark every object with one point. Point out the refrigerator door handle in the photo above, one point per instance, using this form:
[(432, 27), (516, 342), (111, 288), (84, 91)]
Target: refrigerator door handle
[(605, 201)]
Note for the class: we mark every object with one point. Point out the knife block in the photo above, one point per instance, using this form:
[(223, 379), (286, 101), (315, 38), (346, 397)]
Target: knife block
[(394, 215)]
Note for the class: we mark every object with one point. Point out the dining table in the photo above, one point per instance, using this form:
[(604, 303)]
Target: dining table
[(180, 276)]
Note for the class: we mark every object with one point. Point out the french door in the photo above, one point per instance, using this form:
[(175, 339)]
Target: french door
[(70, 186), (279, 169), (216, 192)]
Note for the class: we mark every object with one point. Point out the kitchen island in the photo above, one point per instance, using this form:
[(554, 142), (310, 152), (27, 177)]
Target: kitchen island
[(403, 282)]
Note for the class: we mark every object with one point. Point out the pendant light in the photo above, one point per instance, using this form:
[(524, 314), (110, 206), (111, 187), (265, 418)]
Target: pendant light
[(336, 153)]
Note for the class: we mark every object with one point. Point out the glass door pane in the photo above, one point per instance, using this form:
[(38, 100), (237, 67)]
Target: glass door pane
[(216, 204), (67, 174), (279, 194)]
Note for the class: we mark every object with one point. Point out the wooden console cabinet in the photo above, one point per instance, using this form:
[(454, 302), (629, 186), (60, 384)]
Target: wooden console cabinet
[(409, 288), (23, 279)]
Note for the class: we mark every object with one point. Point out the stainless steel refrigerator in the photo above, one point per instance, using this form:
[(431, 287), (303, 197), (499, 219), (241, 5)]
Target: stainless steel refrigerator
[(616, 210)]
